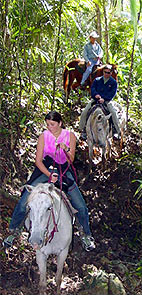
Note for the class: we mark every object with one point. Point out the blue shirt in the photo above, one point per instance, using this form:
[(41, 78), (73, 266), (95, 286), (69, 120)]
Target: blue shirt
[(106, 90), (92, 51)]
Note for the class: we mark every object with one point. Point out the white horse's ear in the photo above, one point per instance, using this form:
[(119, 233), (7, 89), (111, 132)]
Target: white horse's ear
[(29, 188), (108, 116), (51, 186)]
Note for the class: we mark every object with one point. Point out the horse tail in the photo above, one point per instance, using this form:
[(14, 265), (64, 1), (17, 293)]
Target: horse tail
[(65, 78)]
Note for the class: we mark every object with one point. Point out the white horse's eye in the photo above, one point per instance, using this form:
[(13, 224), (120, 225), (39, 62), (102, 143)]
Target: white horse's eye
[(49, 208)]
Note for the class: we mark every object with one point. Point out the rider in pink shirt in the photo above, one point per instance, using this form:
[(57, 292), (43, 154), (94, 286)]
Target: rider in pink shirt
[(51, 143), (55, 146)]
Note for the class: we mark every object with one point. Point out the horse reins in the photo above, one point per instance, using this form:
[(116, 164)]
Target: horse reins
[(103, 109), (60, 169), (55, 228)]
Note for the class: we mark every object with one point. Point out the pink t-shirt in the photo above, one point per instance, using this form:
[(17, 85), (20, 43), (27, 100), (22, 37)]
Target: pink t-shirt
[(50, 143)]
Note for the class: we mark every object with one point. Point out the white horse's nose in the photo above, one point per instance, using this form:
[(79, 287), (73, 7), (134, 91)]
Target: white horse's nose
[(36, 247), (36, 241)]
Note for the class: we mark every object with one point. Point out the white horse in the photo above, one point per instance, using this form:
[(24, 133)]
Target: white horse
[(99, 132), (50, 226)]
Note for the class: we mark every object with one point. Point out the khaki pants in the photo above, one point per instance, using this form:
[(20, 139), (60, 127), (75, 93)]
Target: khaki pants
[(83, 116)]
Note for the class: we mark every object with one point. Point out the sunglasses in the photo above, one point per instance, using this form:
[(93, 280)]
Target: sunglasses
[(107, 72)]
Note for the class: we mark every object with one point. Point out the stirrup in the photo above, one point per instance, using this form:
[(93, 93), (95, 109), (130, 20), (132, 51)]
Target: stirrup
[(88, 243), (8, 242)]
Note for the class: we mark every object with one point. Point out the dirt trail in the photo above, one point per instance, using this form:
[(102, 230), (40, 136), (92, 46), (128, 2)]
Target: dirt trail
[(115, 218)]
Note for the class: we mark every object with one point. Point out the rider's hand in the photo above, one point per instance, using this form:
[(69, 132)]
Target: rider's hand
[(89, 63), (54, 177), (101, 100), (98, 96)]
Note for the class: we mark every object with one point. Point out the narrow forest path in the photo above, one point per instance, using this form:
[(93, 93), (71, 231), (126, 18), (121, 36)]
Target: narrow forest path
[(115, 218)]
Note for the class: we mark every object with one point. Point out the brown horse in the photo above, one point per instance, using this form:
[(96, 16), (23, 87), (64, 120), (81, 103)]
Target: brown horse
[(74, 71)]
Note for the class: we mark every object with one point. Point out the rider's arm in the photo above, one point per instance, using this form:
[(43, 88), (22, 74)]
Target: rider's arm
[(39, 155), (39, 158), (94, 91), (97, 51), (71, 153), (71, 150), (100, 52)]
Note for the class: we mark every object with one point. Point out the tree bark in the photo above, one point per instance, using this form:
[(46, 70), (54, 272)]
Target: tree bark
[(106, 33), (98, 23), (132, 62), (56, 53)]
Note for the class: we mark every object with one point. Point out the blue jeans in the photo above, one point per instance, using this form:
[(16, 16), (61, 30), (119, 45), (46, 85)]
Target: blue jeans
[(76, 200), (88, 71)]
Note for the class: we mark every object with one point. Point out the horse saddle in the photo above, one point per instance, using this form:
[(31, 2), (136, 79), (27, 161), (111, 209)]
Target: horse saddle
[(66, 183), (82, 65), (94, 106)]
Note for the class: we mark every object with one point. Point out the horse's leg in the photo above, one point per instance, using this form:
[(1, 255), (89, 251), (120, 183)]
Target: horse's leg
[(70, 82), (75, 85), (91, 154), (90, 146), (108, 149), (68, 87), (42, 262), (90, 166), (60, 263), (121, 140), (104, 158), (68, 90)]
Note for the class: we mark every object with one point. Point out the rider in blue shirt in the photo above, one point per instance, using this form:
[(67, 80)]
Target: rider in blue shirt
[(103, 89), (106, 88)]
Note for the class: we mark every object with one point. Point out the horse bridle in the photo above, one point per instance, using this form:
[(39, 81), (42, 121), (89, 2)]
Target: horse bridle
[(94, 141), (49, 237)]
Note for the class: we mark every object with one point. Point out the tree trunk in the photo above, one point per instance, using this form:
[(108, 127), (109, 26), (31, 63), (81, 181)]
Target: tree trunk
[(106, 33), (132, 61), (99, 27), (56, 53)]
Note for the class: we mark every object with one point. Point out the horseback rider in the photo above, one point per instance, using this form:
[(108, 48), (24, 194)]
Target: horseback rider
[(92, 55), (103, 90), (54, 147)]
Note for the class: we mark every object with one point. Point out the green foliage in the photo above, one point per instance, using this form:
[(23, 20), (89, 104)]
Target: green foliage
[(139, 189), (139, 269), (29, 38)]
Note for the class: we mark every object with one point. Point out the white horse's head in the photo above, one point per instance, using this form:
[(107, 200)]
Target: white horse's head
[(100, 127), (97, 131), (40, 203), (50, 228)]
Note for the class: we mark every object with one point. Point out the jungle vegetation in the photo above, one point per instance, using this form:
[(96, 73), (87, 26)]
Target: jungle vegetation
[(37, 39)]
